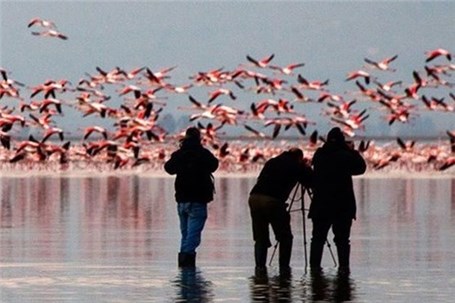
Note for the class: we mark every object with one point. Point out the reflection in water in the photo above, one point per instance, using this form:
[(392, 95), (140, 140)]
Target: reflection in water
[(314, 287), (6, 210), (275, 289), (192, 287), (117, 236), (329, 288)]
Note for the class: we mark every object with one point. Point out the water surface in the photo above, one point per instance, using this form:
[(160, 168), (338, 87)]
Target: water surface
[(114, 238)]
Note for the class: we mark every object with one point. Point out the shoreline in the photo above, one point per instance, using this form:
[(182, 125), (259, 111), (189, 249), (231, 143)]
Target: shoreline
[(395, 174)]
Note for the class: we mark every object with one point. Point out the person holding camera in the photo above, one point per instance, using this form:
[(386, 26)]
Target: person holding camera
[(267, 202), (194, 187), (333, 204)]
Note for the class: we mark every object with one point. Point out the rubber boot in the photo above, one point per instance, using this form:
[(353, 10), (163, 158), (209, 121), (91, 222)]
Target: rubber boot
[(260, 256), (285, 256), (344, 252), (191, 260), (316, 256), (186, 259), (182, 259)]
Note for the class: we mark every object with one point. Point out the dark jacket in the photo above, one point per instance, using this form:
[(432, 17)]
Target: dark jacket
[(334, 165), (279, 176), (193, 164)]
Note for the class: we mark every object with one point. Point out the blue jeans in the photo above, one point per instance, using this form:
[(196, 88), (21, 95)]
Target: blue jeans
[(192, 217)]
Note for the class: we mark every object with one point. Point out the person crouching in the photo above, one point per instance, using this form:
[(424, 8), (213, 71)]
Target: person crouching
[(267, 202)]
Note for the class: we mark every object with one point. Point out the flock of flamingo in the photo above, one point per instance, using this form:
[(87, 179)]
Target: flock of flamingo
[(137, 139)]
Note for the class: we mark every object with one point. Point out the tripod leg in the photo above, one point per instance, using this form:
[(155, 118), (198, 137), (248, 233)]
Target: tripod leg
[(302, 189), (289, 211), (273, 252), (331, 253)]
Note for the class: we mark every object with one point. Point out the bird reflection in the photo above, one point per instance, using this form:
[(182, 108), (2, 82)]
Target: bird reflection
[(6, 213), (330, 288), (274, 289), (192, 287)]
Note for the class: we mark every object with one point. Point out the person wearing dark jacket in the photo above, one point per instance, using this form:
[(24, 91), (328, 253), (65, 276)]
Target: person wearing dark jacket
[(334, 204), (193, 166), (267, 204)]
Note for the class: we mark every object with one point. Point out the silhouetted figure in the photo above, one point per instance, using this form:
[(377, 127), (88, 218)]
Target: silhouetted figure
[(267, 204), (333, 204), (194, 187)]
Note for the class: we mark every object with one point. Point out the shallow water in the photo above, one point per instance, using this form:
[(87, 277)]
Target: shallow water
[(115, 239)]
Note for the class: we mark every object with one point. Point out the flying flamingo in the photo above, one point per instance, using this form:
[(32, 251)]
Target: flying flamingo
[(341, 110), (50, 101), (436, 53), (51, 33), (383, 64), (280, 106), (406, 146), (370, 93), (451, 135), (182, 89), (50, 87), (262, 63), (449, 162), (288, 69), (220, 91), (41, 22), (312, 85), (89, 130), (300, 97), (53, 131), (359, 74), (43, 121), (300, 122), (255, 132), (352, 122), (388, 85)]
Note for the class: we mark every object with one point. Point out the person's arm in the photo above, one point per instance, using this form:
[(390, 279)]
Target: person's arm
[(358, 164), (210, 162), (306, 175), (171, 165)]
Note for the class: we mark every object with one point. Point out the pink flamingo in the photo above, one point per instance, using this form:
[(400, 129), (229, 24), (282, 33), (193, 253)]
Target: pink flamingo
[(262, 63), (436, 53), (383, 64)]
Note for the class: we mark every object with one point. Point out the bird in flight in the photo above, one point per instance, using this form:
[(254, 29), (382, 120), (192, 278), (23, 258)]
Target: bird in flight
[(51, 33), (262, 62), (383, 64), (42, 22)]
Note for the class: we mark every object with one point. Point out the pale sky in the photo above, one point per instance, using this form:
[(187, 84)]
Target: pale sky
[(331, 37)]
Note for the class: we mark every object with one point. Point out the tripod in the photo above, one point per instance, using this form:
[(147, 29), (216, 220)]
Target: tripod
[(303, 189)]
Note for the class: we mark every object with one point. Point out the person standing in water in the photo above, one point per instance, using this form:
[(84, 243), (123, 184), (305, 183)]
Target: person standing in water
[(267, 202), (193, 166), (333, 204)]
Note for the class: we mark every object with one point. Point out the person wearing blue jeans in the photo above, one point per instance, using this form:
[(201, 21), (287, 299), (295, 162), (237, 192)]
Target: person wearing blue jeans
[(192, 217), (193, 166)]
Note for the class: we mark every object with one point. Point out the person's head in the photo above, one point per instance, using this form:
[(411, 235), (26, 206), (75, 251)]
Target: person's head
[(193, 133), (336, 136), (192, 137), (296, 153)]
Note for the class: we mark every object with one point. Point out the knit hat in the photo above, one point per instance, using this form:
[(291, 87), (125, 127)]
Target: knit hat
[(193, 133), (335, 135)]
